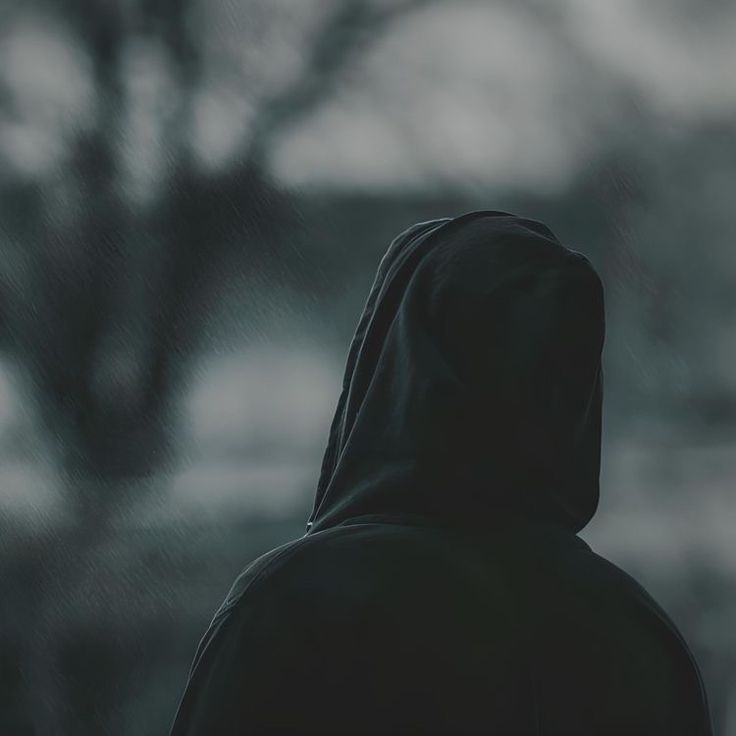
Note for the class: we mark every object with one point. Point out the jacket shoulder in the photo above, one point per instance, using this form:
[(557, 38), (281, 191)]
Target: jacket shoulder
[(642, 644)]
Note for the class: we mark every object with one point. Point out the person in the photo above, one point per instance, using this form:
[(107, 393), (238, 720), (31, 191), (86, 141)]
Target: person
[(441, 586)]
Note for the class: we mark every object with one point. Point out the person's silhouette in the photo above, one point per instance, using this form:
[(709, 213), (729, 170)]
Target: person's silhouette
[(441, 586)]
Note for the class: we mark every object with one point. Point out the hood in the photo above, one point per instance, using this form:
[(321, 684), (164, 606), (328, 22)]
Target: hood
[(473, 384)]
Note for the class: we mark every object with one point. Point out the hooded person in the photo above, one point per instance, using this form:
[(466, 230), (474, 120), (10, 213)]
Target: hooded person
[(441, 586)]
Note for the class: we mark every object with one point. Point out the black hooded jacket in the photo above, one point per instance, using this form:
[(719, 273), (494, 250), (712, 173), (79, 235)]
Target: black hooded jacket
[(441, 586)]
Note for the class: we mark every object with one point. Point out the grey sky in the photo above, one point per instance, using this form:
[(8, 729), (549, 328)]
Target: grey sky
[(482, 93)]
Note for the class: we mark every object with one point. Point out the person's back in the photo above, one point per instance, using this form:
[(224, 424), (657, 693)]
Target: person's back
[(441, 587)]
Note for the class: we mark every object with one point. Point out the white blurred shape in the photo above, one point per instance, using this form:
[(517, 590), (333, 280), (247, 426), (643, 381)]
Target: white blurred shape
[(51, 94), (9, 400), (683, 64), (27, 481), (268, 396), (221, 118), (489, 94), (257, 422), (152, 102), (465, 93)]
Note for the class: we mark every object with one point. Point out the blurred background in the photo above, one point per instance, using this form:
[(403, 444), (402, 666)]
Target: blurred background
[(194, 195)]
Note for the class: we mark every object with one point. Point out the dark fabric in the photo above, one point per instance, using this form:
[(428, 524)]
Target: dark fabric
[(473, 381), (441, 586)]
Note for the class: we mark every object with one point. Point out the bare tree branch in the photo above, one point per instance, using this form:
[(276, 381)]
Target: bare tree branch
[(352, 26)]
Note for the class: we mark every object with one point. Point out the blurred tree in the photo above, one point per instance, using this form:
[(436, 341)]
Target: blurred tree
[(106, 291), (106, 297)]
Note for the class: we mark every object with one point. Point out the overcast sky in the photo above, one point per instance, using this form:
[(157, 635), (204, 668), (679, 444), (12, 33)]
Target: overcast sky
[(487, 93), (461, 92)]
